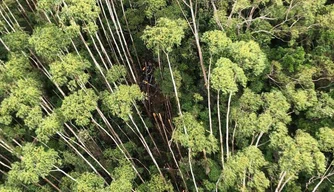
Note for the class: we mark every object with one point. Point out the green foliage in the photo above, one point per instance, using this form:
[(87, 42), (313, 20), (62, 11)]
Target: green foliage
[(164, 35), (305, 77), (35, 162), (116, 73), (213, 170), (4, 188), (70, 71), (121, 185), (24, 101), (124, 176), (299, 154), (73, 160), (165, 81), (18, 66), (194, 136), (73, 30), (81, 11), (303, 98), (32, 117), (249, 56), (276, 104), (48, 5), (5, 80), (323, 108), (245, 166), (116, 155), (291, 59), (274, 58), (152, 6), (88, 182), (255, 113), (86, 10), (12, 132), (120, 102), (226, 75), (17, 41), (79, 105), (217, 41), (242, 4), (79, 14), (325, 139), (250, 101), (49, 126), (48, 41), (172, 11), (158, 184)]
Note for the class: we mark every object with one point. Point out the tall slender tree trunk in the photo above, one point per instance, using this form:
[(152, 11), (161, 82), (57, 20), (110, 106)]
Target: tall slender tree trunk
[(198, 44), (227, 124), (220, 131)]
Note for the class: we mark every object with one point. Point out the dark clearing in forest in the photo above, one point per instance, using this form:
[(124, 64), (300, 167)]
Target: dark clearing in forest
[(167, 95)]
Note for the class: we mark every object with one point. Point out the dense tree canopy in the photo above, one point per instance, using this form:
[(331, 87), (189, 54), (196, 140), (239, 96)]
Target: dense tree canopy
[(166, 95)]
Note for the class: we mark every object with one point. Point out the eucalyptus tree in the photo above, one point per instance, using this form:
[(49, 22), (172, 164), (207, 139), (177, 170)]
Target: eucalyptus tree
[(120, 102), (218, 43), (48, 41), (163, 37), (242, 171), (23, 100), (35, 163), (79, 105), (225, 77), (70, 71), (124, 176), (195, 138), (16, 41), (89, 182)]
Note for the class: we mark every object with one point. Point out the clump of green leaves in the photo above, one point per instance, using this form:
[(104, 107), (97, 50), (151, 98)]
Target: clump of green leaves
[(49, 126), (249, 56), (35, 162), (256, 113), (48, 41), (302, 98), (226, 75), (17, 41), (124, 176), (18, 66), (301, 154), (324, 108), (70, 71), (217, 41), (5, 188), (164, 35), (24, 101), (89, 182), (81, 11), (152, 6), (79, 105), (325, 138), (120, 102), (116, 73), (242, 171), (48, 4), (165, 81), (158, 184), (191, 134)]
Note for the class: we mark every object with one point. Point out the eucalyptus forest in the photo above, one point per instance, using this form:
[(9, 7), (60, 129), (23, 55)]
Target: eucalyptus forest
[(167, 95)]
